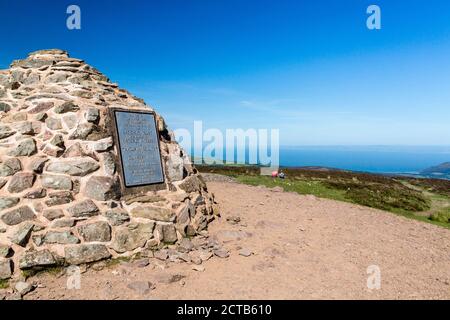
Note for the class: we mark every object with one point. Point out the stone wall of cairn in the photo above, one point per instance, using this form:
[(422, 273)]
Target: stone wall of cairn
[(60, 195)]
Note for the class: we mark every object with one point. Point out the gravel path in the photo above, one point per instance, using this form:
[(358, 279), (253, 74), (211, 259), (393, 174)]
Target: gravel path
[(302, 248)]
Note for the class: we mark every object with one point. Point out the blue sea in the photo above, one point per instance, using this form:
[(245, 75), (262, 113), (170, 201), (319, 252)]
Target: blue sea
[(376, 159)]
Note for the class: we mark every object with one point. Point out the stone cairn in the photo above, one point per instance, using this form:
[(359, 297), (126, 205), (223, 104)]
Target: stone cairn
[(60, 198)]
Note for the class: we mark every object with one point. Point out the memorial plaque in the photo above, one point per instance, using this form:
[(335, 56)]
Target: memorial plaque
[(139, 148)]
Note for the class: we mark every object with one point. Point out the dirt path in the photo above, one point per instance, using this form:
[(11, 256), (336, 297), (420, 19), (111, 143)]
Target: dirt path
[(304, 248)]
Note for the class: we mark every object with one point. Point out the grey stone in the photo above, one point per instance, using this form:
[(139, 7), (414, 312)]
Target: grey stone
[(37, 228), (6, 132), (4, 79), (245, 252), (199, 200), (17, 75), (86, 253), (41, 117), (192, 184), (53, 123), (82, 94), (20, 182), (8, 202), (27, 147), (32, 78), (68, 106), (82, 131), (57, 77), (18, 215), (63, 223), (85, 208), (56, 182), (41, 107), (141, 287), (185, 245), (4, 107), (97, 231), (63, 237), (233, 220), (161, 255), (98, 266), (102, 188), (78, 167), (221, 253), (74, 151), (153, 213), (53, 151), (25, 128), (169, 233), (190, 231), (52, 214), (92, 115), (117, 217), (144, 199), (36, 194), (53, 52), (14, 297), (5, 269), (185, 214), (58, 198), (132, 237), (15, 117), (109, 163), (103, 145), (184, 257), (32, 63), (198, 268), (58, 141), (4, 250), (31, 259), (37, 165), (2, 183), (22, 234), (113, 204), (167, 278), (23, 288), (141, 263), (38, 240), (175, 167), (195, 257), (70, 120)]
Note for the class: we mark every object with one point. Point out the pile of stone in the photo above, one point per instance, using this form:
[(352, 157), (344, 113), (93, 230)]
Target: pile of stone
[(61, 201)]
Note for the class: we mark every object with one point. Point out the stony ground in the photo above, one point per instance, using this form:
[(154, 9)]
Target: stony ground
[(302, 248)]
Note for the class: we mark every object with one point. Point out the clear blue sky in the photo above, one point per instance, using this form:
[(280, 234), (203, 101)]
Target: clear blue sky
[(311, 69)]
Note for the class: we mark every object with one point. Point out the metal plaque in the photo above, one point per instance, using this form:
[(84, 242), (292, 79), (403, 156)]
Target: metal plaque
[(139, 148)]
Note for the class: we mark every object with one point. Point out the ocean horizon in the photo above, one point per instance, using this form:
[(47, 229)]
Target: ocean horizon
[(374, 159)]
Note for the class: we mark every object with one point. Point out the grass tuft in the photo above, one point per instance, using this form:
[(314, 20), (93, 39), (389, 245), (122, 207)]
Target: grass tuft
[(4, 284), (442, 216)]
